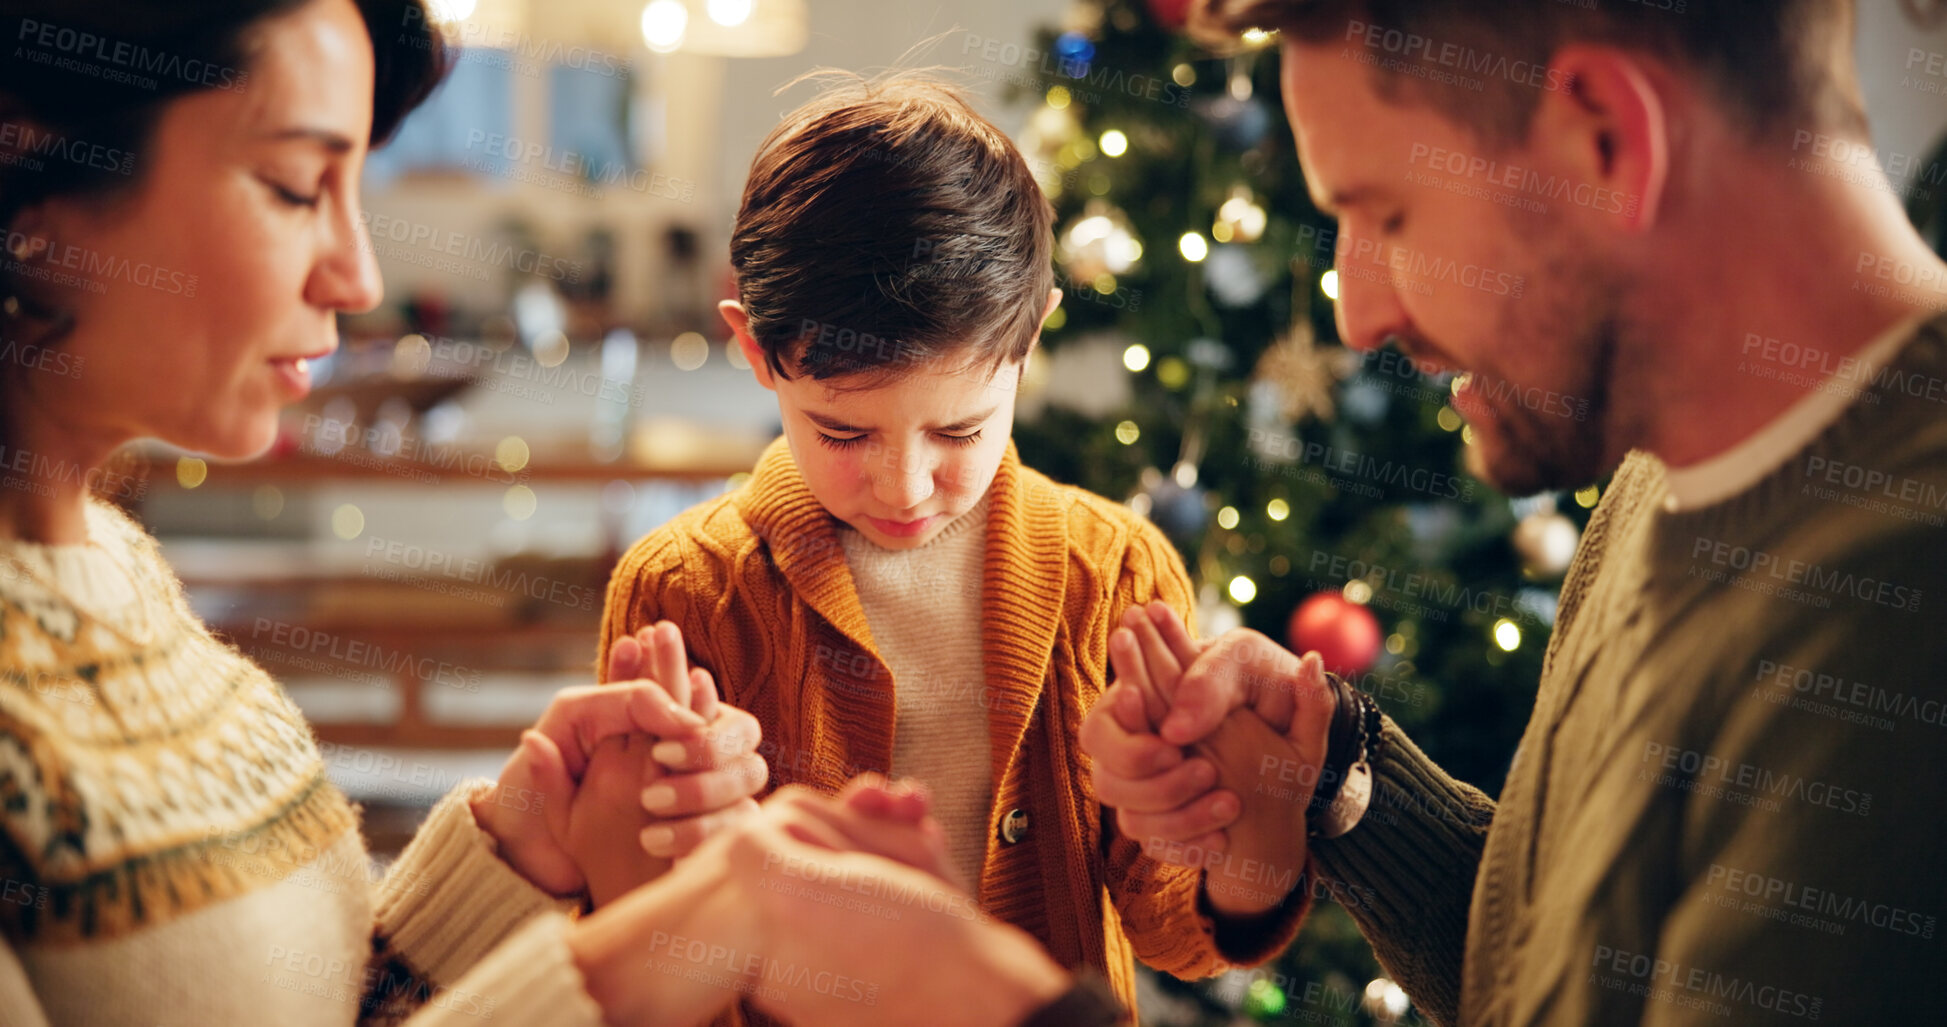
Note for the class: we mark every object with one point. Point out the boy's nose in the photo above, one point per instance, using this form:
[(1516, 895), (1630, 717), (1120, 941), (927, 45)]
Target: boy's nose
[(902, 486)]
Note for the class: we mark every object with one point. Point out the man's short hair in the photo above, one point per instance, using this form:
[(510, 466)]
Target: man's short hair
[(1778, 66), (886, 226)]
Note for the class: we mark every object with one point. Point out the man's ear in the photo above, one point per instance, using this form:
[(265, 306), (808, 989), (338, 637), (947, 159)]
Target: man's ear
[(1604, 120), (739, 322), (1054, 301)]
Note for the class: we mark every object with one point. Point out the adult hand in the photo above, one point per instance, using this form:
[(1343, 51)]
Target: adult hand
[(815, 910), (646, 801), (527, 812), (1255, 719)]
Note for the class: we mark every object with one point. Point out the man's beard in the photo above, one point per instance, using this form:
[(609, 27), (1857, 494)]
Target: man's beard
[(1554, 436)]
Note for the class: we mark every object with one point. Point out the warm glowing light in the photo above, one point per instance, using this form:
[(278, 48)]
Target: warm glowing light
[(191, 472), (1193, 247), (519, 502), (512, 454), (689, 351), (1507, 634), (1242, 590), (1127, 433), (663, 24), (1227, 518), (1586, 497), (1277, 509), (1114, 143), (1357, 591), (1328, 283), (1058, 97), (729, 13), (1136, 357), (348, 522)]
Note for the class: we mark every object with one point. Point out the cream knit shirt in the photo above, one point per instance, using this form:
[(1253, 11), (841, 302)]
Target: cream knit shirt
[(171, 851), (923, 607)]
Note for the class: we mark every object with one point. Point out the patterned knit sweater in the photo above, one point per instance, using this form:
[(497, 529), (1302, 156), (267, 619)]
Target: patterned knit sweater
[(1726, 808), (758, 581), (171, 851)]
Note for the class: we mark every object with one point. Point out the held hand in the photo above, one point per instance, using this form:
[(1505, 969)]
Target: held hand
[(527, 812), (647, 800), (858, 929), (1235, 805), (813, 910)]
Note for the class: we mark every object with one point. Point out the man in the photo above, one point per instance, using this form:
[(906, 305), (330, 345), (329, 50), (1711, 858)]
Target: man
[(1638, 234)]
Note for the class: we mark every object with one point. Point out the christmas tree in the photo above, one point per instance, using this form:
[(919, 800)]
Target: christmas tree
[(1317, 495)]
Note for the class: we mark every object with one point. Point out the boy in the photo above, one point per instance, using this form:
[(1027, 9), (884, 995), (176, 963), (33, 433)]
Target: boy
[(892, 590)]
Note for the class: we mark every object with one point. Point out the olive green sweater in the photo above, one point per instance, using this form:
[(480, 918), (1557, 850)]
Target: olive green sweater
[(1726, 806)]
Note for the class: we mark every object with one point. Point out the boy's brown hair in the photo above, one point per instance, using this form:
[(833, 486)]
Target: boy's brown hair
[(887, 225)]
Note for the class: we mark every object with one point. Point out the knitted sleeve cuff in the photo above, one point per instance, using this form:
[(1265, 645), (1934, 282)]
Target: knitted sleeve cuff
[(450, 899), (1249, 941), (530, 978), (1406, 871)]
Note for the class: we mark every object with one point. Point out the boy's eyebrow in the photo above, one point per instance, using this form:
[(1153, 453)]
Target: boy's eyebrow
[(965, 424)]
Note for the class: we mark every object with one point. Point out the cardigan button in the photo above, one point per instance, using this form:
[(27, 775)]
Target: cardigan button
[(1014, 826)]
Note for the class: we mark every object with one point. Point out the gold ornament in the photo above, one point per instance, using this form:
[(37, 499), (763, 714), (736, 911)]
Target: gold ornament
[(1305, 373)]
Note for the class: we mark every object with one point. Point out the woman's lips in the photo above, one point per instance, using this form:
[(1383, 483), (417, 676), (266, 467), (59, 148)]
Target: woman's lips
[(294, 373)]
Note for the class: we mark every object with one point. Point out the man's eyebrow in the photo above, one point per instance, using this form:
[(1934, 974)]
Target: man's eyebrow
[(335, 142), (1339, 199)]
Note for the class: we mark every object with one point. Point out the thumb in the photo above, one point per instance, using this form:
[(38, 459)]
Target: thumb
[(1311, 723), (538, 781)]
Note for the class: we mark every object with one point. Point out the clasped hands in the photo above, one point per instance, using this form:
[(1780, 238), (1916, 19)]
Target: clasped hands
[(1209, 753)]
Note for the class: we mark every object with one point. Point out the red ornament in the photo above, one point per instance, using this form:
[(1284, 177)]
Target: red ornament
[(1343, 633), (1173, 14)]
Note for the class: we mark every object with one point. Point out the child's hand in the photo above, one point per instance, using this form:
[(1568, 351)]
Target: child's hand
[(1255, 717), (647, 800), (527, 812)]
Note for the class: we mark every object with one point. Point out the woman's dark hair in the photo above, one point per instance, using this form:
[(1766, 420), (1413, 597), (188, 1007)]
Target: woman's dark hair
[(100, 73), (887, 226)]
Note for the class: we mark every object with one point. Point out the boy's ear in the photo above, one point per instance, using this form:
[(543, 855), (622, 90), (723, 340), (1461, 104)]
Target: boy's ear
[(1054, 300), (739, 322)]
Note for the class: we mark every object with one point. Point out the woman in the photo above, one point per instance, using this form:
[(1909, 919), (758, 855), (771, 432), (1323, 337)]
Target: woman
[(178, 190)]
